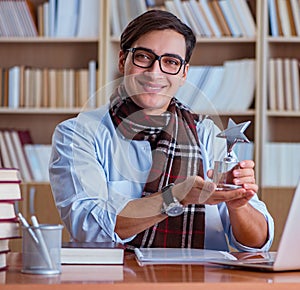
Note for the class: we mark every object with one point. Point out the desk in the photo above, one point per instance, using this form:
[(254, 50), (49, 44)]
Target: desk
[(133, 277)]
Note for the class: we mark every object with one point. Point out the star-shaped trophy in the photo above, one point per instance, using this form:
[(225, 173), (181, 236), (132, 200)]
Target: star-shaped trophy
[(233, 134)]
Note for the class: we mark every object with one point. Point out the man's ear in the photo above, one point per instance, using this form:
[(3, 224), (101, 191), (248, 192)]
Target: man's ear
[(122, 60)]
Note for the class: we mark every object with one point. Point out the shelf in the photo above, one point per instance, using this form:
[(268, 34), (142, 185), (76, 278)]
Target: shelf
[(46, 39), (283, 114), (38, 111), (244, 113), (209, 39), (282, 39)]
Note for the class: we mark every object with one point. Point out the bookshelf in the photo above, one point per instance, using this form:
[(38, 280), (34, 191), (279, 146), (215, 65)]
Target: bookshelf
[(52, 53), (75, 53), (279, 125)]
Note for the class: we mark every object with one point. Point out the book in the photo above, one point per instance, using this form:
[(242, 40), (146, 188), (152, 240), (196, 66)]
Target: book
[(295, 84), (3, 263), (14, 87), (210, 18), (4, 245), (284, 17), (216, 8), (272, 85), (66, 18), (182, 15), (92, 253), (9, 229), (6, 162), (246, 17), (280, 105), (88, 18), (10, 190), (146, 256), (115, 20), (7, 211), (92, 87), (239, 16), (38, 170), (295, 5), (291, 18), (9, 174), (273, 20), (170, 6), (19, 152), (194, 24), (287, 84), (199, 17), (230, 18), (10, 149), (279, 23)]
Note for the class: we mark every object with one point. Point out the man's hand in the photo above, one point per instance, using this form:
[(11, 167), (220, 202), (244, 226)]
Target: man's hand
[(195, 190), (242, 175)]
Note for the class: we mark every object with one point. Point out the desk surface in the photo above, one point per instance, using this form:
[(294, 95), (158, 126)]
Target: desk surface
[(131, 276)]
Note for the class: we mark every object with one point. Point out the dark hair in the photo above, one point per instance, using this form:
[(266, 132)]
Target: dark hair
[(157, 20)]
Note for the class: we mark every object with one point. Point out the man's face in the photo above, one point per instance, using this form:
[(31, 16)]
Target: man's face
[(150, 88)]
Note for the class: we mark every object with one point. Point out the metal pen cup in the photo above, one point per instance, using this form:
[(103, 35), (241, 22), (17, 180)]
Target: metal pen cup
[(41, 249)]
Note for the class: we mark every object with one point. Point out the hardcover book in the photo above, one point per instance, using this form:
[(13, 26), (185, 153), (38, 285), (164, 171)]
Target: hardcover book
[(92, 253), (10, 190)]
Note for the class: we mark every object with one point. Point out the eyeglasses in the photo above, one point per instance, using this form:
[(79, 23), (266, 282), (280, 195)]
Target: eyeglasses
[(169, 63)]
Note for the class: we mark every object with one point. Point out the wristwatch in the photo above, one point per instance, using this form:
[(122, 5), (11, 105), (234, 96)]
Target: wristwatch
[(171, 206)]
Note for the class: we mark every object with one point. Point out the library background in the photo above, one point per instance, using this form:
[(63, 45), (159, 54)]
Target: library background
[(57, 55)]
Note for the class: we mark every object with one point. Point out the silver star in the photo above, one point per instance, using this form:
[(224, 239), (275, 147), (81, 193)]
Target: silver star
[(234, 134)]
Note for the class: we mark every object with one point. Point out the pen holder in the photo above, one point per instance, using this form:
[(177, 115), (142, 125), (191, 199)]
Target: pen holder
[(41, 249)]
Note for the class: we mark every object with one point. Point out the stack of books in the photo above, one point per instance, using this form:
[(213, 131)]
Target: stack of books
[(10, 193)]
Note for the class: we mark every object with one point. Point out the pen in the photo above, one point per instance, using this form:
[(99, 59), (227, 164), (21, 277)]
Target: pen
[(42, 244), (26, 225)]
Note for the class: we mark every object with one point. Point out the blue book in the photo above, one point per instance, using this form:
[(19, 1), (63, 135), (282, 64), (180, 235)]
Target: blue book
[(273, 18)]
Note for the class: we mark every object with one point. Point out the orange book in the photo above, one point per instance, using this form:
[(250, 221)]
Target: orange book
[(22, 86), (280, 32), (40, 19), (220, 18), (291, 17), (32, 11)]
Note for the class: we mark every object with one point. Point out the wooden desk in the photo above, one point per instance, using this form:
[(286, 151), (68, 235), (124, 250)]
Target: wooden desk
[(131, 276)]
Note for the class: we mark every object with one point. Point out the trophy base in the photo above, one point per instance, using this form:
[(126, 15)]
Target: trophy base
[(227, 187)]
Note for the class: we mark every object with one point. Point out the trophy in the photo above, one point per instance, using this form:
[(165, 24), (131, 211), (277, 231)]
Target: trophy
[(233, 134)]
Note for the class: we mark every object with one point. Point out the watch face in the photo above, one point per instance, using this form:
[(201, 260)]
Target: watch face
[(174, 209)]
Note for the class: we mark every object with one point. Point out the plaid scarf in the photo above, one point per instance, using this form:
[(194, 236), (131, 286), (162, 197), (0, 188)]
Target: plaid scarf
[(176, 155)]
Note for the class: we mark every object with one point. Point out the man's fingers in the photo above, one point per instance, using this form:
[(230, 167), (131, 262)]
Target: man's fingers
[(207, 190)]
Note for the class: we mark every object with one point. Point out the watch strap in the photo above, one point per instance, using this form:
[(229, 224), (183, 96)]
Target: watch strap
[(167, 194)]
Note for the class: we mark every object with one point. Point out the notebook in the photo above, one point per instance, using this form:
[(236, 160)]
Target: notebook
[(287, 257)]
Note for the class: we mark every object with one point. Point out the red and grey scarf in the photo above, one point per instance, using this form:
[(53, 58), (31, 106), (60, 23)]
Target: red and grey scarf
[(176, 155)]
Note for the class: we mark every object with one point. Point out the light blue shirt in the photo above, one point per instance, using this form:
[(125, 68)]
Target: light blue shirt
[(95, 172)]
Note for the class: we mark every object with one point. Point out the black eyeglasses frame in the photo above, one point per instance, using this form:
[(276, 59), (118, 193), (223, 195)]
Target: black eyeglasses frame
[(157, 57)]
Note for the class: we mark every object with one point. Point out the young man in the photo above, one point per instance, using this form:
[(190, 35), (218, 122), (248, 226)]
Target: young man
[(136, 171)]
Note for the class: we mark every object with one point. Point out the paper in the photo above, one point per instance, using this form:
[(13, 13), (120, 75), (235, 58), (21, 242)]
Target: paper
[(179, 256)]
